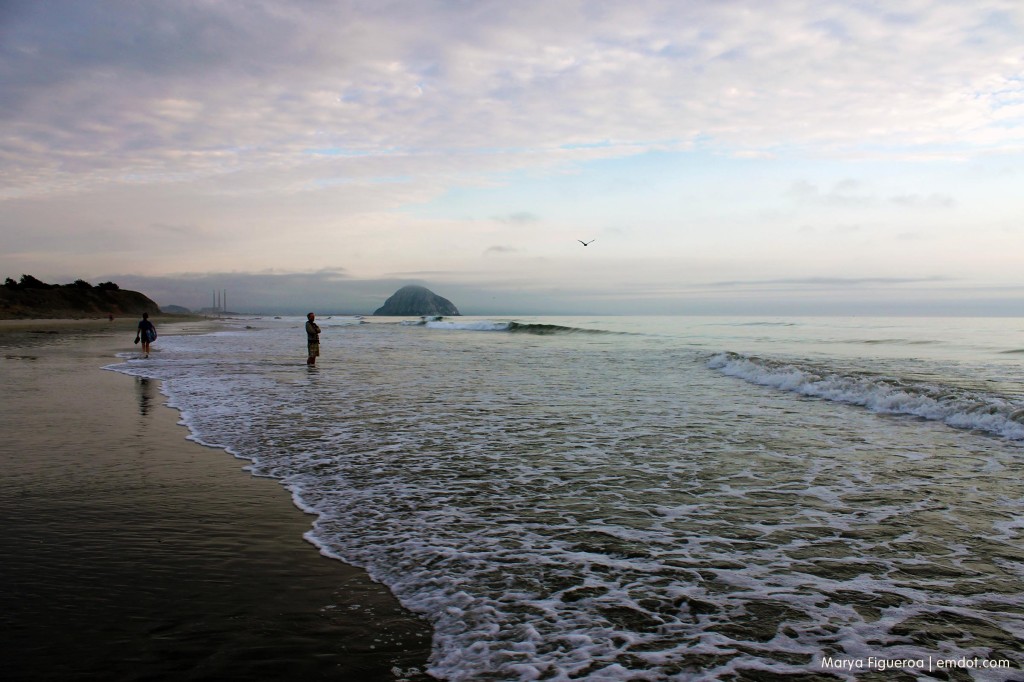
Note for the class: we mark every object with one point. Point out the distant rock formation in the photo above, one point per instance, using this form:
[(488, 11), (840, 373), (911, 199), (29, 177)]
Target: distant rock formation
[(175, 310), (32, 298), (415, 300)]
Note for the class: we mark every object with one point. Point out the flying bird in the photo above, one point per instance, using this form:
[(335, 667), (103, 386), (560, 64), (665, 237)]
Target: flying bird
[(585, 243)]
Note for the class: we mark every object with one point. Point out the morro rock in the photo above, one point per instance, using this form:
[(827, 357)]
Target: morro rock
[(414, 300)]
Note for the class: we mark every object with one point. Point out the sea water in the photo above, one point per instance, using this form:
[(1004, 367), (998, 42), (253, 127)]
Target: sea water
[(648, 498)]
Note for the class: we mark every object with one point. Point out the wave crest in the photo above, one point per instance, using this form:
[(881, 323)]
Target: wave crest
[(498, 326), (955, 407)]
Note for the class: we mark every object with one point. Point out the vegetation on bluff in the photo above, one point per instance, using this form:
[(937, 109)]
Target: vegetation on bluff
[(31, 297)]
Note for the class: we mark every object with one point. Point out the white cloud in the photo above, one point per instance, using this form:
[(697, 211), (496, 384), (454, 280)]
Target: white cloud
[(158, 91)]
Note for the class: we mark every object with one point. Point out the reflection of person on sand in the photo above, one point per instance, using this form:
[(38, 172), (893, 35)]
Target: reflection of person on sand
[(145, 389), (146, 333), (312, 339)]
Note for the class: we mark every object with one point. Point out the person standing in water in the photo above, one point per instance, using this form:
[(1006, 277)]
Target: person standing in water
[(312, 339), (146, 333)]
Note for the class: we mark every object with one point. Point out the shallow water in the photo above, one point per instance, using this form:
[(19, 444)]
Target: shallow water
[(649, 498)]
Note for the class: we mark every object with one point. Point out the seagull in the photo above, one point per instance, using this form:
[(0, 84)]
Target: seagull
[(585, 243)]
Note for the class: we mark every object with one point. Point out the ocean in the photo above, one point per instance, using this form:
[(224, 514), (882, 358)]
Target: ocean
[(648, 498)]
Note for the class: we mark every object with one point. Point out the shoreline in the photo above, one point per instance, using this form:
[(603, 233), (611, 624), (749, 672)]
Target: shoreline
[(134, 553), (91, 325)]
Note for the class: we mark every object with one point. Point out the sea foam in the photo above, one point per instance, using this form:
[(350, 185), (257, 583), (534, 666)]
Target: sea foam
[(955, 407)]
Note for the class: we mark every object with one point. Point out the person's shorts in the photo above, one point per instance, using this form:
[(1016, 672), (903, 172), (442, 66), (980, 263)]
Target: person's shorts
[(314, 349)]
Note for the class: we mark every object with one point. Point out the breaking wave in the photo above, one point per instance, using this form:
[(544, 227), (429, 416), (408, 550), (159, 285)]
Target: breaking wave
[(500, 326), (955, 407)]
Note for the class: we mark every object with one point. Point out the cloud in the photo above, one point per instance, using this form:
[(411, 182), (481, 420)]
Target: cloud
[(935, 200), (186, 230), (332, 291), (833, 281), (277, 292), (854, 194), (161, 91), (842, 195), (215, 136), (520, 218), (499, 250)]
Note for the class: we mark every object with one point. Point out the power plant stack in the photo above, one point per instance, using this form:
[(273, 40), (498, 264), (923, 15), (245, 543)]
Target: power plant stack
[(220, 301)]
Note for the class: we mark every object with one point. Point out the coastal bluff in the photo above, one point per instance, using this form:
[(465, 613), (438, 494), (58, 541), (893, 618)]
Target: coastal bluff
[(32, 298), (416, 300)]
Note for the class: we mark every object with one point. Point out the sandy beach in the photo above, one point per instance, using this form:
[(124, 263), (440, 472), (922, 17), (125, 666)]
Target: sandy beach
[(131, 553)]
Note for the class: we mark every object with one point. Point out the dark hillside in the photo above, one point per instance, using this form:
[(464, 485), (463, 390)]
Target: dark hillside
[(31, 298)]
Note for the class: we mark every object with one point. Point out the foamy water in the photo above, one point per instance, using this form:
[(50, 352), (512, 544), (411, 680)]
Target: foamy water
[(648, 498)]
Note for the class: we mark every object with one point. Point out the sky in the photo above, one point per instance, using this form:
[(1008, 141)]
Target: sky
[(792, 157)]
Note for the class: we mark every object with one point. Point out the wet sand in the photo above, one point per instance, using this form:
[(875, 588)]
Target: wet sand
[(91, 325), (130, 553)]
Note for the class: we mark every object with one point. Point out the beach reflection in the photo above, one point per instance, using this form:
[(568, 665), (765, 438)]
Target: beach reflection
[(144, 389)]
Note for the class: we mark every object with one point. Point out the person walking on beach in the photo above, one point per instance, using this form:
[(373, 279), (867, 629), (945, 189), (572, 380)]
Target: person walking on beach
[(146, 333), (312, 339)]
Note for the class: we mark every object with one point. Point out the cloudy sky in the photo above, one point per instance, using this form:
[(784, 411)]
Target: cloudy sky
[(727, 156)]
